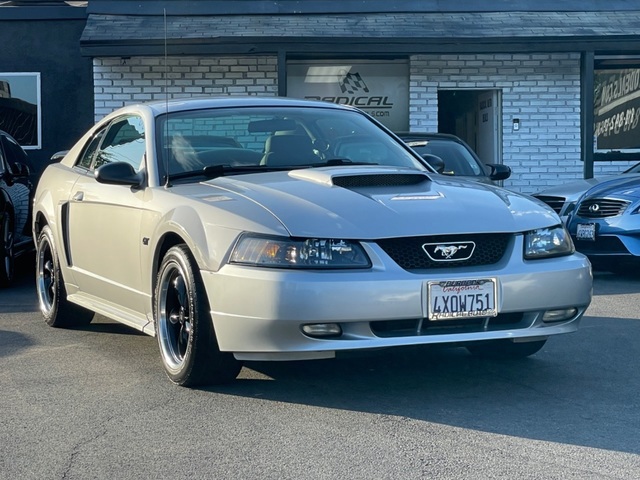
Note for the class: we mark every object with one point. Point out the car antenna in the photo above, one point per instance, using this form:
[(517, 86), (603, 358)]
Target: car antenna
[(167, 184)]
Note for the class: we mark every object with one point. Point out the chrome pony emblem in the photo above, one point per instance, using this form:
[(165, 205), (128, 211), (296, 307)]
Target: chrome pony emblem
[(449, 252)]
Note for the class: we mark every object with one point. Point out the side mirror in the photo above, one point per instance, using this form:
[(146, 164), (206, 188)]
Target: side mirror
[(434, 162), (119, 173), (56, 157), (499, 171)]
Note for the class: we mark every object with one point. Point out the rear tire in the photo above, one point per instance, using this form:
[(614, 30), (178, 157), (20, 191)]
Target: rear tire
[(52, 295), (7, 257), (504, 349), (188, 345)]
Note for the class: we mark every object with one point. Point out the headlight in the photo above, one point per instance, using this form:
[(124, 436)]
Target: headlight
[(547, 242), (283, 252)]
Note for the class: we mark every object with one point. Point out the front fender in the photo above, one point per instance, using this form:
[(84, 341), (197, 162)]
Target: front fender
[(185, 223)]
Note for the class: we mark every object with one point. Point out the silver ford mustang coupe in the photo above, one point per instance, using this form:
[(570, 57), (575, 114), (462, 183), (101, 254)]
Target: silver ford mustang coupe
[(236, 229)]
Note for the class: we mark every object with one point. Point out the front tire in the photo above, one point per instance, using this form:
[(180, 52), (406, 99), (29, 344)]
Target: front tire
[(187, 341), (505, 349), (7, 257), (52, 295)]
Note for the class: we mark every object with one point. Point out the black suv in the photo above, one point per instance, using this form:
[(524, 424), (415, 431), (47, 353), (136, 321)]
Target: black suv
[(16, 189)]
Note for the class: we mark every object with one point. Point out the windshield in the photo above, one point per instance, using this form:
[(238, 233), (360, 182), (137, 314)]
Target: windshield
[(268, 138)]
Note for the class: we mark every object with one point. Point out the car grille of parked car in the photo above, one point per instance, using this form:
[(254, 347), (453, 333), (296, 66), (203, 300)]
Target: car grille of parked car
[(408, 328), (554, 202), (605, 244), (601, 207), (409, 254)]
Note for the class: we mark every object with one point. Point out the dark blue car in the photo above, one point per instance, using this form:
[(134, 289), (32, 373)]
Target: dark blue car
[(605, 225)]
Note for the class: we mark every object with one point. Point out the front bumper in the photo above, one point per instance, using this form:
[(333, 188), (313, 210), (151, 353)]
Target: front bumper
[(616, 237), (258, 313)]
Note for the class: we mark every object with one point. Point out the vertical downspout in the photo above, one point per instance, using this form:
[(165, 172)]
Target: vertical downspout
[(282, 73), (587, 73)]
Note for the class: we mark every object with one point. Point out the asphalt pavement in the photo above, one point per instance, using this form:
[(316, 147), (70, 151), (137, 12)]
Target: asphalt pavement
[(94, 403)]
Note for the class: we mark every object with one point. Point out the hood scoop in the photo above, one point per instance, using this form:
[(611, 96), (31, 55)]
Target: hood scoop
[(379, 180), (358, 177)]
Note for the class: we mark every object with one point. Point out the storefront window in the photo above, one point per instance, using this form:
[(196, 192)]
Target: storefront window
[(380, 88), (617, 110), (20, 107)]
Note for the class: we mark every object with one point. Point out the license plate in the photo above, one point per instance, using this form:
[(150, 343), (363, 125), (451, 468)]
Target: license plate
[(586, 231), (452, 299)]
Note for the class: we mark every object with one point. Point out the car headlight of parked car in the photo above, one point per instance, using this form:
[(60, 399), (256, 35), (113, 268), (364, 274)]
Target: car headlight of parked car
[(282, 252), (547, 242)]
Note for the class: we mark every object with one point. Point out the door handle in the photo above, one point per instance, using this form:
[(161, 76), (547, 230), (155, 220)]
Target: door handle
[(78, 197)]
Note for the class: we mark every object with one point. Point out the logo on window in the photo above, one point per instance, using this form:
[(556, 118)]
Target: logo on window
[(352, 83)]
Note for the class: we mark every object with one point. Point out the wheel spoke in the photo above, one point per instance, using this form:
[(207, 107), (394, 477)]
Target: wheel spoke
[(183, 340), (49, 278), (181, 290)]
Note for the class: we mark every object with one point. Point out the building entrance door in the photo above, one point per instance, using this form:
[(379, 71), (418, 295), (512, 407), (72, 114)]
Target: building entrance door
[(474, 116)]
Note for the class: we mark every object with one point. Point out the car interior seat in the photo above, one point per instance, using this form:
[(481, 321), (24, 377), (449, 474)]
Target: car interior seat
[(295, 149)]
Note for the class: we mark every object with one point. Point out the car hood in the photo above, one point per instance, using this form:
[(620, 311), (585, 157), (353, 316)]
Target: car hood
[(573, 190), (623, 186), (380, 202)]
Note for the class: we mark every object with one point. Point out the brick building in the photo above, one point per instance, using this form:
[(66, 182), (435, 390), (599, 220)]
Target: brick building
[(521, 81)]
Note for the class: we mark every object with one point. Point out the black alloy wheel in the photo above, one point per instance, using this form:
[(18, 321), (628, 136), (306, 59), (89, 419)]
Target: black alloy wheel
[(187, 341)]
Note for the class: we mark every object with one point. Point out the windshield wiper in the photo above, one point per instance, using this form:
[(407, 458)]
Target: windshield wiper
[(215, 171)]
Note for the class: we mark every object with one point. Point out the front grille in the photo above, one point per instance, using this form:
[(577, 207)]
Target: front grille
[(602, 245), (410, 328), (601, 207), (554, 202), (379, 180), (409, 254)]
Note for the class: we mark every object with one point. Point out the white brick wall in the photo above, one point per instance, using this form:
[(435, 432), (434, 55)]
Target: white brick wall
[(118, 82), (542, 90)]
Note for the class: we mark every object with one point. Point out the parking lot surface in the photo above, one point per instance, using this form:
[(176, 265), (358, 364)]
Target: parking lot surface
[(95, 403)]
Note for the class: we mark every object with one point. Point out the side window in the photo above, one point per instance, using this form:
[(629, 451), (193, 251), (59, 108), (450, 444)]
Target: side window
[(87, 156), (123, 142)]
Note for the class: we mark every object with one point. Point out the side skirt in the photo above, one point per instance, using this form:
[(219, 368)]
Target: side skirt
[(128, 317)]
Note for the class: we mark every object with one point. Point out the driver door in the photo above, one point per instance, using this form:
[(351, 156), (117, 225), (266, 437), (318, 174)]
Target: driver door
[(104, 220)]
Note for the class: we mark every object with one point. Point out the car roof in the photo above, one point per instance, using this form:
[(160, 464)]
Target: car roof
[(196, 103), (428, 136)]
